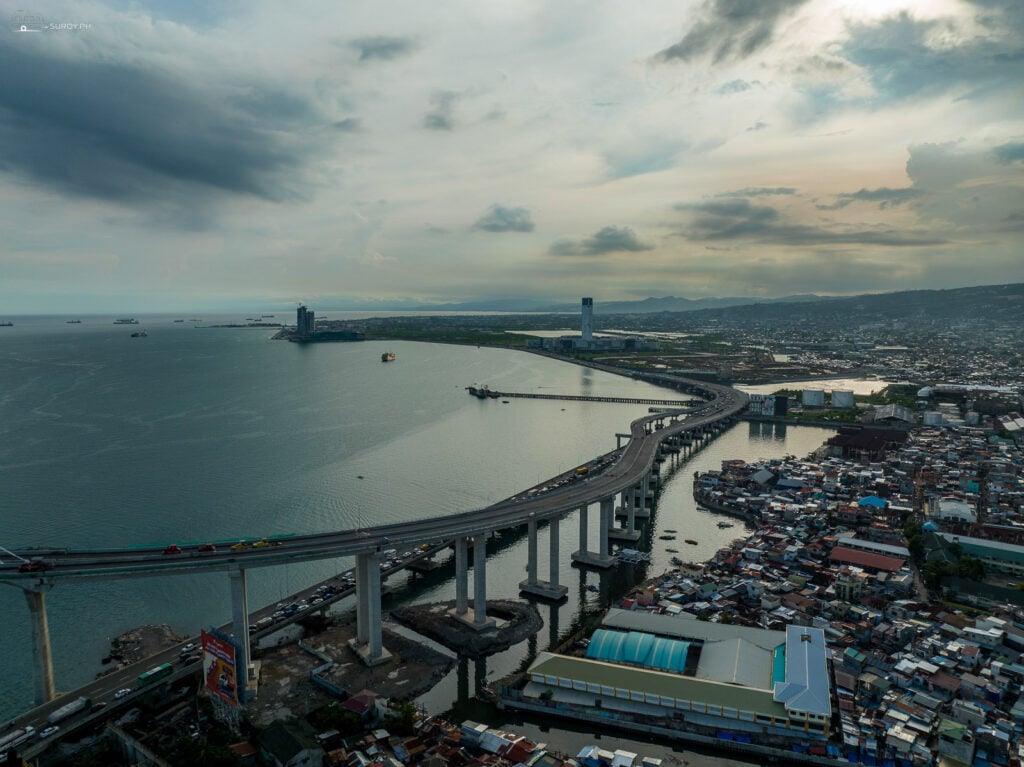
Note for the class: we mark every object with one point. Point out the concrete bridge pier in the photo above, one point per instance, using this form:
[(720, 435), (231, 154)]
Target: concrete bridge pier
[(369, 641), (477, 617), (240, 620), (601, 558), (549, 589), (42, 656), (628, 533)]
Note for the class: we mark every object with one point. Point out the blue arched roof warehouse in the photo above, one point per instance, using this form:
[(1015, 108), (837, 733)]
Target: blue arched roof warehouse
[(639, 649)]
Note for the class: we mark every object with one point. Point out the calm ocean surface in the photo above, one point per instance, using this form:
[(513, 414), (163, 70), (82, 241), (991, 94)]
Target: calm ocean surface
[(196, 434)]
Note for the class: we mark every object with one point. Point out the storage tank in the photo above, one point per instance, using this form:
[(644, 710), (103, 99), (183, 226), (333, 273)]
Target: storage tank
[(842, 398), (932, 418), (814, 398)]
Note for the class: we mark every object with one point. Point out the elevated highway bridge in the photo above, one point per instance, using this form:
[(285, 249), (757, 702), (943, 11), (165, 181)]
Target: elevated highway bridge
[(627, 471)]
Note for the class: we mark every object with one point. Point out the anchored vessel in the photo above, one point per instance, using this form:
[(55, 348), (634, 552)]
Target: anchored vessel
[(387, 357)]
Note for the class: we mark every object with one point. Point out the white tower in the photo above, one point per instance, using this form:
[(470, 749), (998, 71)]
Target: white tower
[(587, 331)]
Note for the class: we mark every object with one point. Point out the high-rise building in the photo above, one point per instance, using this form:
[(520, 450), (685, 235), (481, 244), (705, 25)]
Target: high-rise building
[(304, 322), (587, 331)]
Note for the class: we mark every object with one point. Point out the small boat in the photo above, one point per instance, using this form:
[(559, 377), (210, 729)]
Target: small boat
[(72, 322), (666, 537), (387, 357), (6, 324), (669, 531), (691, 541), (591, 587), (724, 524), (672, 551), (677, 561), (140, 334)]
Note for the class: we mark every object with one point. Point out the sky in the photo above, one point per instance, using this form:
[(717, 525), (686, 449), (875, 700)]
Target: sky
[(199, 155)]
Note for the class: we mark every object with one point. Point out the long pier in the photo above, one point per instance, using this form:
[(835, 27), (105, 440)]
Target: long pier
[(485, 393)]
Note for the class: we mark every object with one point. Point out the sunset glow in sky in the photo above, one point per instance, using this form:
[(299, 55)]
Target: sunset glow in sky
[(197, 155)]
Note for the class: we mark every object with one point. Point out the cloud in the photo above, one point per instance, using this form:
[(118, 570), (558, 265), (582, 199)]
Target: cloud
[(908, 57), (639, 156), (383, 48), (118, 128), (498, 218), (442, 116), (759, 125), (738, 219), (735, 86), (732, 30), (1009, 153), (759, 191), (610, 239), (348, 125), (884, 196)]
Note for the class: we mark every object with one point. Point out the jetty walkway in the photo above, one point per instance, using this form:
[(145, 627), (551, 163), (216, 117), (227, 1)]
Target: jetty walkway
[(484, 393)]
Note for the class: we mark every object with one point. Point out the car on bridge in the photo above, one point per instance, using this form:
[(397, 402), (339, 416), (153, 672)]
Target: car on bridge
[(240, 545), (206, 547), (34, 566), (173, 549)]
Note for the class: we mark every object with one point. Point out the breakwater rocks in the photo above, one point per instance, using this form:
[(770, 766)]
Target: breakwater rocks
[(515, 622)]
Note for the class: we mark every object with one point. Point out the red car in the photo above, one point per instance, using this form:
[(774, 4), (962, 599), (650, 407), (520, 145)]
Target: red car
[(33, 566), (173, 549)]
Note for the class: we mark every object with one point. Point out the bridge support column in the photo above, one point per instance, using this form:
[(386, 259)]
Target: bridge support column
[(42, 657), (461, 577), (475, 618), (549, 589), (584, 522), (600, 558), (628, 533), (240, 619), (369, 642)]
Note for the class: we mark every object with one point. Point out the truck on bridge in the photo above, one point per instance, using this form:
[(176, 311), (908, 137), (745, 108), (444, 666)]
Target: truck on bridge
[(72, 708)]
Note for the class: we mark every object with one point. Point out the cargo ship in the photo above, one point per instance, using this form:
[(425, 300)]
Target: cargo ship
[(126, 321)]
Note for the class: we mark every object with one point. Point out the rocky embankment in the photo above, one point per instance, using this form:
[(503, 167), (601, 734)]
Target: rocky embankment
[(139, 643), (516, 621)]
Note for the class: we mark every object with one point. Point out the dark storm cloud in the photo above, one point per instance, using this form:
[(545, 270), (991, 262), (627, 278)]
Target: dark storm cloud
[(610, 239), (896, 54), (498, 218), (740, 220), (442, 115), (383, 48), (1010, 153), (884, 196), (732, 29), (132, 133)]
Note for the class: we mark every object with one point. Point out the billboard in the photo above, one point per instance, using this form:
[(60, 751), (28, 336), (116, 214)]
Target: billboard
[(220, 669)]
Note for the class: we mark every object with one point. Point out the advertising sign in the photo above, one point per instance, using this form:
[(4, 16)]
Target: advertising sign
[(219, 668)]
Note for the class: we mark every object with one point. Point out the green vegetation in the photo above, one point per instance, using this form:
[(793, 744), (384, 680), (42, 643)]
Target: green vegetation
[(965, 566), (401, 719), (912, 532), (894, 394), (334, 717)]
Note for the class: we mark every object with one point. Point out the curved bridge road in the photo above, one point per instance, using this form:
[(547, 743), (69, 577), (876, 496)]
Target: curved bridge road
[(633, 463)]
